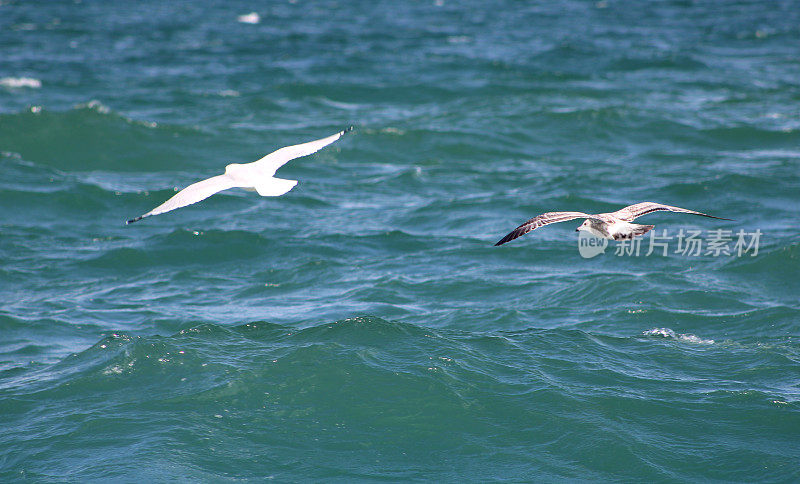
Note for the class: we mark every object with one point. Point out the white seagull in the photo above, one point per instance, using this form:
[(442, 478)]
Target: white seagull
[(614, 225), (257, 176)]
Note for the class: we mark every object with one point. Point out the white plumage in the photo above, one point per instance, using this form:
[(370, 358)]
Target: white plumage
[(258, 176)]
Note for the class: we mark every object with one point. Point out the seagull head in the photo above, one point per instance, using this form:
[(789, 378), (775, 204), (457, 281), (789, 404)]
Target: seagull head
[(584, 226)]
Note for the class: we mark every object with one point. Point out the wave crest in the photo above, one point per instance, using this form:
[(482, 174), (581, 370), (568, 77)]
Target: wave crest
[(670, 334), (20, 82)]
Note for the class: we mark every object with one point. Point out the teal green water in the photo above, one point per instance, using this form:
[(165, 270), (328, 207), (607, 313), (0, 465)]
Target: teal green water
[(363, 327)]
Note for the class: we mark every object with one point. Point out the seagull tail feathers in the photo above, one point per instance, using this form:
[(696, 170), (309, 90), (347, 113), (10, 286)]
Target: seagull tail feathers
[(642, 229), (637, 230), (274, 187)]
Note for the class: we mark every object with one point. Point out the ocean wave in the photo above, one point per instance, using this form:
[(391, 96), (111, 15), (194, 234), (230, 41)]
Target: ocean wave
[(661, 61), (368, 343), (92, 136), (364, 379), (169, 250), (19, 82), (220, 343), (670, 334)]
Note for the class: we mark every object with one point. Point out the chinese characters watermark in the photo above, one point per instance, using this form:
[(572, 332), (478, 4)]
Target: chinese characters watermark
[(687, 243)]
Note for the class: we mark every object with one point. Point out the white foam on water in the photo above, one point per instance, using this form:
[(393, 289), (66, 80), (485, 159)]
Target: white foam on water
[(668, 333), (249, 18), (18, 82), (95, 105)]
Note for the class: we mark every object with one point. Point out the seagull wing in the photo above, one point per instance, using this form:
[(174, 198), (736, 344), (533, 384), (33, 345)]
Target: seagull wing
[(632, 212), (540, 220), (268, 165), (192, 194)]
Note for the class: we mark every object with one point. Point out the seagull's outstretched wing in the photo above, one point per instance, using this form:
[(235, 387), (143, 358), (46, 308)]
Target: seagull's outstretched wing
[(192, 194), (632, 212), (540, 220), (268, 165)]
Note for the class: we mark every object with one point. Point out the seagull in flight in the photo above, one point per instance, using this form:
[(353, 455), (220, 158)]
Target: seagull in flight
[(614, 225), (255, 176)]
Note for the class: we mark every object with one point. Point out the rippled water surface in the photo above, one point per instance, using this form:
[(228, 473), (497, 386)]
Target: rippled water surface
[(363, 326)]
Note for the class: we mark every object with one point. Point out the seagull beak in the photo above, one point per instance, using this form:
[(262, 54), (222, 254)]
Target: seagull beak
[(578, 229)]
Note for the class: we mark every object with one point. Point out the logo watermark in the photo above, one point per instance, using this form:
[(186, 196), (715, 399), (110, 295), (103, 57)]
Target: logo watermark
[(590, 246), (688, 243)]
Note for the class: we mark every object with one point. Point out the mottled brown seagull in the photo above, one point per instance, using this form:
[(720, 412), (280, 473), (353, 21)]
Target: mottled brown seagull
[(614, 225)]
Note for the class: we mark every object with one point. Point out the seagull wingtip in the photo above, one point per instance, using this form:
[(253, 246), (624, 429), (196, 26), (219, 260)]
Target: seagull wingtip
[(133, 220), (347, 129)]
